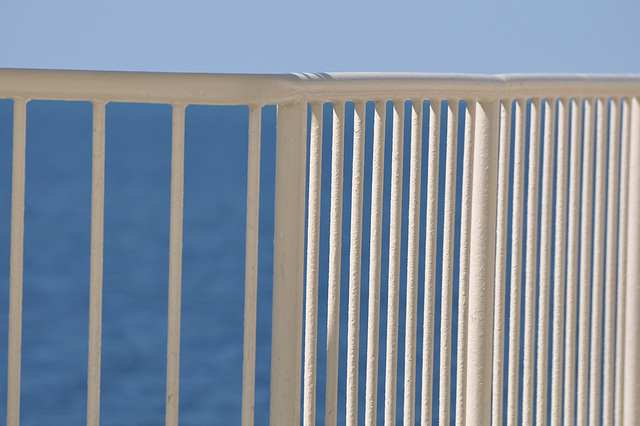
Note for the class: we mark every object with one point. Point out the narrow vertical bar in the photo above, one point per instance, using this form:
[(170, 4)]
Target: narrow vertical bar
[(482, 262), (447, 262), (544, 286), (517, 237), (335, 255), (175, 265), (559, 264), (394, 264), (313, 246), (573, 251), (251, 267), (595, 352), (531, 265), (96, 260), (585, 262), (613, 171), (632, 316), (430, 260), (622, 262), (16, 260), (375, 262), (463, 280), (499, 305), (355, 261), (288, 264), (413, 256)]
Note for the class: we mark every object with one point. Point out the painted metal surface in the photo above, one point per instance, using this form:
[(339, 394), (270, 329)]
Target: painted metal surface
[(548, 226)]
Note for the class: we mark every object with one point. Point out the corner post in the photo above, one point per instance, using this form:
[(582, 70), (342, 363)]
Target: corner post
[(288, 264)]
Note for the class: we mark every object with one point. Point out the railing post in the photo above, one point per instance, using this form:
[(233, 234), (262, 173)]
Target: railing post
[(631, 408), (481, 264), (288, 265)]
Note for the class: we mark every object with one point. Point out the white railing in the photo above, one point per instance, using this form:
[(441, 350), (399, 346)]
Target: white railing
[(563, 149)]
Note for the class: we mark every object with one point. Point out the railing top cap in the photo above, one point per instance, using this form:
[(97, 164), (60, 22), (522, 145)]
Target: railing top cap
[(471, 86), (185, 88)]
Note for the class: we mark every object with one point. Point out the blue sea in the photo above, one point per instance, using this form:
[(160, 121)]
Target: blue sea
[(137, 193), (56, 263)]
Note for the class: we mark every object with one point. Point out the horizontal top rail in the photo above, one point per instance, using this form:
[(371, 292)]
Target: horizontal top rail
[(262, 89), (401, 86)]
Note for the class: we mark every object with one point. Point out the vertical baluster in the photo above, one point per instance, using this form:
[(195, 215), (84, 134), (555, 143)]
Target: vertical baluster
[(463, 281), (545, 263), (517, 237), (632, 322), (531, 267), (585, 262), (335, 254), (96, 260), (595, 362), (394, 264), (430, 260), (313, 245), (355, 260), (613, 171), (175, 265), (622, 262), (499, 304), (413, 255), (559, 266), (16, 260), (482, 262), (375, 261), (573, 251), (447, 262), (251, 267)]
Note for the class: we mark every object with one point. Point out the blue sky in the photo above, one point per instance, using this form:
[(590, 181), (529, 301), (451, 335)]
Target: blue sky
[(301, 36)]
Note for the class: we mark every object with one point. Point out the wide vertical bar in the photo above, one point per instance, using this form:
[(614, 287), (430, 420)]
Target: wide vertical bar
[(447, 262), (394, 264), (313, 246), (531, 266), (463, 280), (375, 262), (544, 286), (595, 352), (355, 258), (571, 324), (632, 321), (430, 260), (622, 262), (96, 259), (16, 260), (499, 304), (559, 264), (585, 263), (482, 262), (335, 255), (517, 237), (251, 267), (288, 265), (413, 256), (175, 265), (613, 171)]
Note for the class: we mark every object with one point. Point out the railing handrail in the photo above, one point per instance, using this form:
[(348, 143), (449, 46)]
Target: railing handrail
[(261, 89)]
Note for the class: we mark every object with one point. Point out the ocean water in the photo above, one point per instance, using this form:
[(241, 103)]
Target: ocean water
[(137, 191), (56, 264)]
